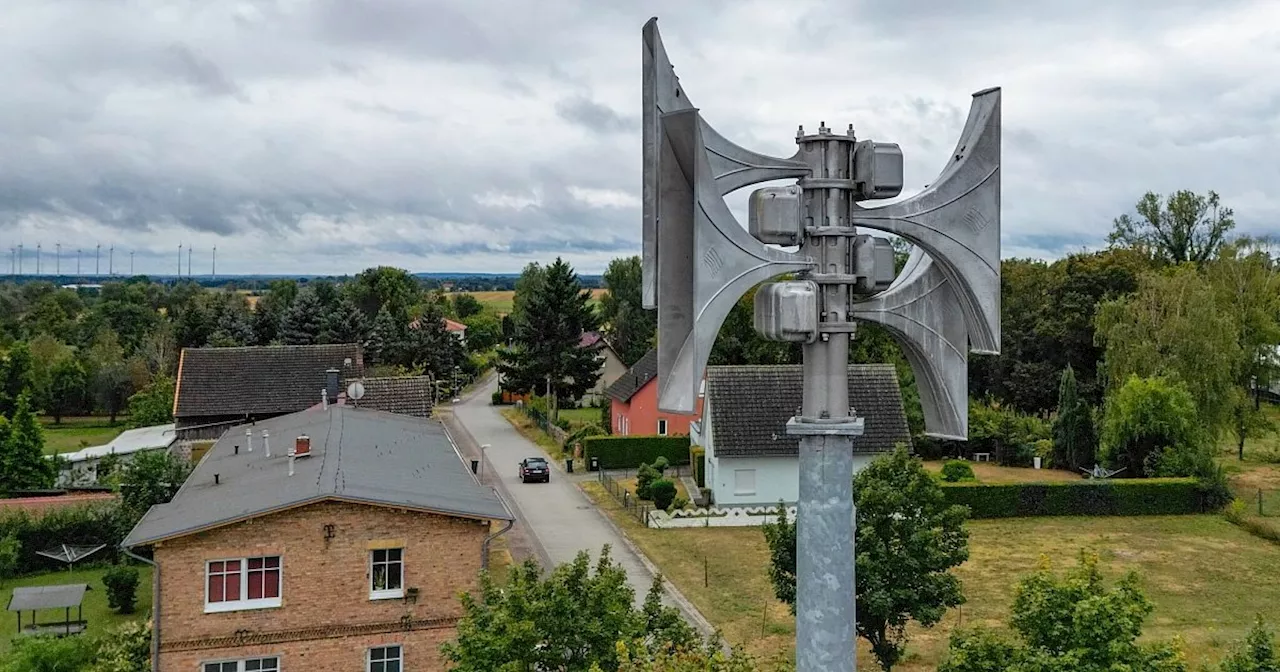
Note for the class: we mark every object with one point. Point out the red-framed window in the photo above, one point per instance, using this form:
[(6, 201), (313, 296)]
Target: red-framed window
[(243, 582)]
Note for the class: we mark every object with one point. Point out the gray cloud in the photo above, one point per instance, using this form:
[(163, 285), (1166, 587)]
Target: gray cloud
[(455, 135)]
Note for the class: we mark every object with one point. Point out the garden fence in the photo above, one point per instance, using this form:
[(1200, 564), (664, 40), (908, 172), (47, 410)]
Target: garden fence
[(1265, 503), (626, 499)]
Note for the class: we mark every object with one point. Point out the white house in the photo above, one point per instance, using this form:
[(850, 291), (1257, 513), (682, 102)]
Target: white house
[(81, 467), (750, 459)]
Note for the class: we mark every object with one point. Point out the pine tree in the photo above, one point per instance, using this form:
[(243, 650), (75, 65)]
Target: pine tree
[(22, 461), (550, 318), (431, 347), (16, 377), (1074, 436), (345, 323), (386, 338), (304, 320), (234, 327)]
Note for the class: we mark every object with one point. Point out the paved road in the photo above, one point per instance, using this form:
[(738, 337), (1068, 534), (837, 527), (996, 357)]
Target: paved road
[(559, 517)]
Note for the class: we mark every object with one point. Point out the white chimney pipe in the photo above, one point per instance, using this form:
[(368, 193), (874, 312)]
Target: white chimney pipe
[(291, 459), (266, 442), (248, 437), (324, 398)]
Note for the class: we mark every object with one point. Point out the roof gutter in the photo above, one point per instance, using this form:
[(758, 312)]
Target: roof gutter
[(155, 606), (510, 522)]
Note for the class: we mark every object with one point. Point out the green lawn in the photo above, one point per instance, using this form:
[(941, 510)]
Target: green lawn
[(581, 416), (99, 617), (1207, 577), (76, 433)]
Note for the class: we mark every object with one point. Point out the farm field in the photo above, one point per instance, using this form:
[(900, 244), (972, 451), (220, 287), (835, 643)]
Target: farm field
[(502, 302), (81, 432), (1209, 602), (99, 616)]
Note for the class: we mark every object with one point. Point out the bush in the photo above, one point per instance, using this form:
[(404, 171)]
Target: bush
[(629, 452), (680, 503), (661, 464), (589, 429), (10, 550), (1119, 497), (496, 398), (122, 588), (955, 471), (663, 493), (87, 525), (645, 478)]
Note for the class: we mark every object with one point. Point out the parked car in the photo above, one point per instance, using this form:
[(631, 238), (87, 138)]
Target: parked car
[(535, 469)]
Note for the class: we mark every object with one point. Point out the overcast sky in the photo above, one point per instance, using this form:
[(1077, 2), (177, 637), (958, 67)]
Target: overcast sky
[(441, 135)]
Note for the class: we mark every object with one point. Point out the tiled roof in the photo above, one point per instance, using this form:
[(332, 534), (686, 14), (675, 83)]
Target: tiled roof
[(259, 379), (357, 455), (406, 395), (635, 378), (589, 339), (750, 405), (450, 325)]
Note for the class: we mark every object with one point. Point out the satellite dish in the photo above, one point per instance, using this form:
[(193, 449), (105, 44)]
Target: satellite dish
[(355, 391)]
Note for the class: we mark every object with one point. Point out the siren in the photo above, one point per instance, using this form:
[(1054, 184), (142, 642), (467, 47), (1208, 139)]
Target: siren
[(706, 260), (920, 309), (957, 221), (731, 166)]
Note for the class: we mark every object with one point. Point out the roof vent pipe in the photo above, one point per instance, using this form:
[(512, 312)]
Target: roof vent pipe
[(291, 458), (248, 438), (324, 399), (302, 446), (266, 442)]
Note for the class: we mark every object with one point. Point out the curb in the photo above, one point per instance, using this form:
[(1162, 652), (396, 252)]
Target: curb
[(699, 621)]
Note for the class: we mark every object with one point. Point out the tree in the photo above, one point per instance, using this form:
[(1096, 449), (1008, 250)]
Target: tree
[(569, 621), (1175, 326), (121, 582), (46, 353), (22, 462), (234, 324), (109, 376), (151, 477), (269, 311), (1150, 427), (382, 286), (66, 388), (10, 550), (484, 331), (16, 377), (630, 328), (1074, 623), (552, 312), (1074, 437), (1186, 227), (908, 540), (126, 649), (466, 305), (386, 340), (431, 348), (345, 323), (153, 404), (1256, 654), (642, 657), (304, 320)]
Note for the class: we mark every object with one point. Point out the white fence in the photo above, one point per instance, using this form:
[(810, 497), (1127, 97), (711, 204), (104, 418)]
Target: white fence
[(748, 516)]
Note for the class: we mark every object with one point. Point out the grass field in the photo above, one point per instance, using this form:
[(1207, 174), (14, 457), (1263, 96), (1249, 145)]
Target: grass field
[(530, 431), (76, 433), (502, 302), (1206, 577), (581, 416), (99, 617), (988, 472)]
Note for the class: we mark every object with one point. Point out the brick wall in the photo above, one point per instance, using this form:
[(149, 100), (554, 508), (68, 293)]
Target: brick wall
[(421, 650), (324, 583)]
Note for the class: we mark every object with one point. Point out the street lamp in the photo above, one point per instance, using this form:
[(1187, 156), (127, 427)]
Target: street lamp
[(483, 448)]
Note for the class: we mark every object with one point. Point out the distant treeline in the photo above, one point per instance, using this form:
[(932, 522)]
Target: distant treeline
[(460, 282)]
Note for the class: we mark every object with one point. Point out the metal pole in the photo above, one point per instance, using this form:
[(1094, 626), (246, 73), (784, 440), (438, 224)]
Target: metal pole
[(97, 260), (825, 525), (179, 260)]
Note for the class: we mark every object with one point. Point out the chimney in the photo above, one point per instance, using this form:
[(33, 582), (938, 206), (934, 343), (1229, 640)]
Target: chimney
[(331, 383), (266, 442), (324, 399), (248, 438), (302, 447)]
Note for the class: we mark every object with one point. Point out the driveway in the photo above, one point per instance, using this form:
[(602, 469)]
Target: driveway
[(560, 519)]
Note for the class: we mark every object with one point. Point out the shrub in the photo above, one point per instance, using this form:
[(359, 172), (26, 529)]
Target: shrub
[(698, 458), (680, 503), (589, 429), (122, 588), (10, 550), (87, 525), (957, 470), (663, 492), (1120, 497), (496, 398), (629, 452), (645, 479), (661, 464)]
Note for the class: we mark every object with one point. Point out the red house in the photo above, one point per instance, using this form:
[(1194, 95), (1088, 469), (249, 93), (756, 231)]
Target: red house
[(634, 403)]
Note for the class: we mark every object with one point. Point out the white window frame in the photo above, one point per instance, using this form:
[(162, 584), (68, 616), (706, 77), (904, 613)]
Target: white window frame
[(390, 593), (368, 656), (244, 603), (240, 664), (662, 426), (737, 490)]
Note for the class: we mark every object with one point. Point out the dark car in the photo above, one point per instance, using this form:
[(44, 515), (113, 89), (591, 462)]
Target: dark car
[(535, 469)]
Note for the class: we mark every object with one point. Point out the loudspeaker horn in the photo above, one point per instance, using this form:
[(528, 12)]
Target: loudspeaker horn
[(921, 311), (956, 220), (706, 260), (732, 166)]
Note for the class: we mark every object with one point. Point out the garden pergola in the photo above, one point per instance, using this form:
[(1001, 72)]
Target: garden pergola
[(34, 598)]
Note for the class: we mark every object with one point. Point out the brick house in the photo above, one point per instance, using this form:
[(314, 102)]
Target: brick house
[(633, 400), (348, 555), (220, 387)]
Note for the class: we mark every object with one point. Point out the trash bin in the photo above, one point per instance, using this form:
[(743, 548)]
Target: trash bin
[(568, 465), (475, 466), (595, 463)]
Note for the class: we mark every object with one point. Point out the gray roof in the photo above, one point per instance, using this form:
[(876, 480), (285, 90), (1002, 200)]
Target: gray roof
[(47, 597), (357, 454), (407, 395), (635, 378), (749, 407), (259, 379)]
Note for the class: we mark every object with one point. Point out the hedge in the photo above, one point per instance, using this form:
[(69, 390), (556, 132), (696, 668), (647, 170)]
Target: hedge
[(698, 457), (629, 452), (83, 525), (1110, 497)]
